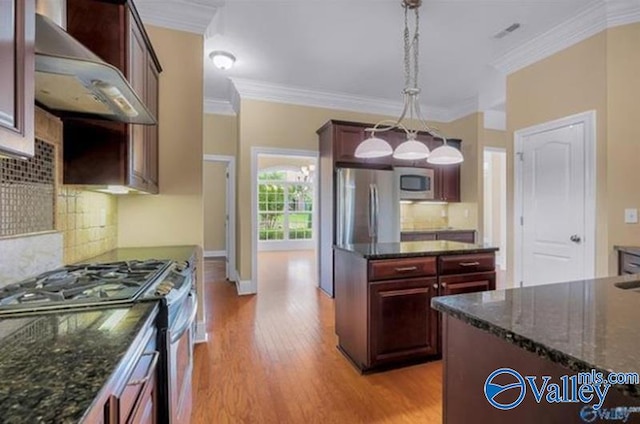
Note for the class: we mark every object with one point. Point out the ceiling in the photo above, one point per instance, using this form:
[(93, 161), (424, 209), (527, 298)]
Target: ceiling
[(354, 47)]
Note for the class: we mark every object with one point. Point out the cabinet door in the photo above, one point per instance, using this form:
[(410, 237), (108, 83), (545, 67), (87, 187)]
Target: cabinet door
[(461, 236), (448, 177), (402, 324), (17, 35), (137, 78), (417, 236), (467, 283), (151, 131), (346, 140)]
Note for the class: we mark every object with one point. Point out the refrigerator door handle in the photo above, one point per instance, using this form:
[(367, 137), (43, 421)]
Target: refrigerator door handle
[(375, 210), (370, 215)]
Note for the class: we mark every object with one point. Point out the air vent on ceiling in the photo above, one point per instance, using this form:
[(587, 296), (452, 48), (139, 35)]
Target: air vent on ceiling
[(511, 28)]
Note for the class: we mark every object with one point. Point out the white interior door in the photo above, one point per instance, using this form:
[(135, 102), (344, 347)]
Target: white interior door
[(553, 205)]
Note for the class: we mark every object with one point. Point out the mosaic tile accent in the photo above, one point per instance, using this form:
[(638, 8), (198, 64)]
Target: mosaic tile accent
[(27, 192)]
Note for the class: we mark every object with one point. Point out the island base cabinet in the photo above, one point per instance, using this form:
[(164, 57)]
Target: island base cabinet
[(467, 283), (402, 324), (471, 355)]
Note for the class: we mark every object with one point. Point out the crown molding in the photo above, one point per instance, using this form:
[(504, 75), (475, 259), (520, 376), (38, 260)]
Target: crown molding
[(182, 15), (260, 90), (595, 18), (219, 107), (622, 12)]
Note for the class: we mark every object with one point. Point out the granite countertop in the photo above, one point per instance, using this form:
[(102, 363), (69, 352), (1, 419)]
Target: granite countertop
[(582, 325), (408, 249), (53, 366), (176, 253)]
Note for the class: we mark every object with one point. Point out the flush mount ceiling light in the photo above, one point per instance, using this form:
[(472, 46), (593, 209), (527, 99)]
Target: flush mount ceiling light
[(222, 60), (411, 149)]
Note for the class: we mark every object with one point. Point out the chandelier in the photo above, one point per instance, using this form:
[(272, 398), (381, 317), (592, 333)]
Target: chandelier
[(411, 148)]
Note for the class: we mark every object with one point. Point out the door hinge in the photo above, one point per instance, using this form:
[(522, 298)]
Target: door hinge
[(520, 156), (522, 220)]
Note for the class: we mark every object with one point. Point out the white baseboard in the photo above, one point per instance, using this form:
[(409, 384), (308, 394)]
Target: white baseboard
[(215, 253), (245, 287), (201, 335)]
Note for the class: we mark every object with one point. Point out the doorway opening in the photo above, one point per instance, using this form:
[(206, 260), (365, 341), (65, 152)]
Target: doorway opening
[(495, 202), (219, 211), (554, 201), (285, 218)]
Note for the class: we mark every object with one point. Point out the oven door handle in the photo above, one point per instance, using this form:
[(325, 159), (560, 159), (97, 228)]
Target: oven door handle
[(175, 336)]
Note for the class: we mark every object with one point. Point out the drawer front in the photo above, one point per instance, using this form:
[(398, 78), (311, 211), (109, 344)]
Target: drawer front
[(417, 236), (462, 264), (461, 236), (630, 264), (467, 283), (388, 269)]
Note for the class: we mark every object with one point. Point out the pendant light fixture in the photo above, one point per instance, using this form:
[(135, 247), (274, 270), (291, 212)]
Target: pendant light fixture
[(411, 148)]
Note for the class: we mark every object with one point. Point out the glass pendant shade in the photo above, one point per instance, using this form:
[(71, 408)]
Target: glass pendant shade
[(445, 155), (373, 147), (411, 150)]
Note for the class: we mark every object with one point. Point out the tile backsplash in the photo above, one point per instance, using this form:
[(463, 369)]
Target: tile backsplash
[(88, 222), (80, 224), (429, 216)]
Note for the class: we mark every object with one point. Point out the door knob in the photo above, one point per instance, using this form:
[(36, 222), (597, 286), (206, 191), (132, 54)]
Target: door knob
[(575, 238)]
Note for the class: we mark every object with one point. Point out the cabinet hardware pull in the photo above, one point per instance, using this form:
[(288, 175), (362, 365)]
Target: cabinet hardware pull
[(443, 285), (152, 369), (631, 264), (469, 263), (407, 269), (435, 286)]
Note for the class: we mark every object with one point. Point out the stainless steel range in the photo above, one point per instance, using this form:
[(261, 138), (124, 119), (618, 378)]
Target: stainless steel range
[(108, 284), (87, 285)]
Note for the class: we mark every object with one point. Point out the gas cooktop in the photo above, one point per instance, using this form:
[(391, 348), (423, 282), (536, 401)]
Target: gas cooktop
[(82, 284)]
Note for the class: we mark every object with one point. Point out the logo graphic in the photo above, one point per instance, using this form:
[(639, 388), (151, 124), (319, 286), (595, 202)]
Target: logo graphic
[(588, 414), (492, 390)]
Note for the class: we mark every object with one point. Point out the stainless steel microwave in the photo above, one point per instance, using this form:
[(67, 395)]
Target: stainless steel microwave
[(415, 183)]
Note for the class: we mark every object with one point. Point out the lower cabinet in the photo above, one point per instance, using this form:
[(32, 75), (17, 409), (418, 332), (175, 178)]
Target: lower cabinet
[(402, 324), (383, 306), (467, 283)]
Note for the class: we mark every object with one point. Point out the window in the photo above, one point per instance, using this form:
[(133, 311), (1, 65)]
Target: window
[(285, 204)]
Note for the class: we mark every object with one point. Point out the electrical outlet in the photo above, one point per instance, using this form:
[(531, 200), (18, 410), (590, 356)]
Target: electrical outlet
[(103, 217), (631, 216), (466, 213)]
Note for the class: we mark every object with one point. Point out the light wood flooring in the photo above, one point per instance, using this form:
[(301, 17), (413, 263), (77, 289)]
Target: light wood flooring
[(272, 358)]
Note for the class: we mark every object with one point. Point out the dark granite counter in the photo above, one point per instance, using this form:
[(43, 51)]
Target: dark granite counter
[(581, 325), (53, 366), (176, 253), (409, 249)]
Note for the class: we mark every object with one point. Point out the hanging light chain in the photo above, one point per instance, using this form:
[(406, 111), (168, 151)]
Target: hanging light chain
[(416, 48), (407, 49)]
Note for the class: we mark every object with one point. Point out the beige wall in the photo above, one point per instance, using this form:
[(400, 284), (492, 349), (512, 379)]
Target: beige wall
[(278, 125), (569, 82), (623, 135), (220, 134), (214, 206), (175, 216)]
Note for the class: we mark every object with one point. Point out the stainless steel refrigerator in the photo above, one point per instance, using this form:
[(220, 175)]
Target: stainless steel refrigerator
[(367, 206), (360, 206)]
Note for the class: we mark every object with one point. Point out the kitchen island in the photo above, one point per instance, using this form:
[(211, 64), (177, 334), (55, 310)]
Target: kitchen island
[(64, 366), (383, 292), (549, 330)]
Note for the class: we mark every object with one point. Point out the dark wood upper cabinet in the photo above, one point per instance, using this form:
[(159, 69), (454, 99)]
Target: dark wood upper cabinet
[(111, 153), (17, 59), (341, 138)]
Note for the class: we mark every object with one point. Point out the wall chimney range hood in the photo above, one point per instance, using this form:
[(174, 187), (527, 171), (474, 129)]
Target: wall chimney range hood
[(71, 79)]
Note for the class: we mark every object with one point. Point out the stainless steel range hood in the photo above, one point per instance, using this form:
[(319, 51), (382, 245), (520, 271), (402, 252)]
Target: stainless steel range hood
[(70, 78)]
